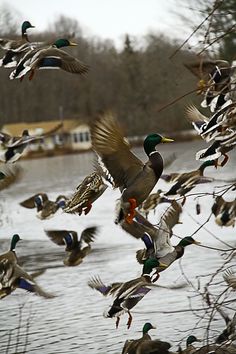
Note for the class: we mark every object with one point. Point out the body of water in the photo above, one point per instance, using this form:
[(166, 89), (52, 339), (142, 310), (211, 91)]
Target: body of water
[(73, 321)]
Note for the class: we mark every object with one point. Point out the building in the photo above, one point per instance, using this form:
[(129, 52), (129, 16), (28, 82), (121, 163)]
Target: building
[(74, 135)]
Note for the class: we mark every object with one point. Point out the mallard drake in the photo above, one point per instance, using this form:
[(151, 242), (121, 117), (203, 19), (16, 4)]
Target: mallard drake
[(135, 179), (155, 237), (168, 259), (77, 249), (220, 128), (145, 344), (12, 276), (127, 294), (215, 81), (225, 212), (9, 176), (184, 182), (16, 48), (49, 58), (45, 208), (91, 188), (190, 348), (11, 255), (16, 45)]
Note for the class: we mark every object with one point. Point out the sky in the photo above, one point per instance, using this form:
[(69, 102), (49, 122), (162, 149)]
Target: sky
[(107, 18)]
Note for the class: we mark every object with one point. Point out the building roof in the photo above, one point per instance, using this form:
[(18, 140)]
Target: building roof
[(16, 129)]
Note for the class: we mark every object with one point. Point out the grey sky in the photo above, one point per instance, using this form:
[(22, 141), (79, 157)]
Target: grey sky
[(107, 18)]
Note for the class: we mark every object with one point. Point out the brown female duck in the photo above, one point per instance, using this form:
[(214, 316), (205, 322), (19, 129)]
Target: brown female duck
[(91, 188)]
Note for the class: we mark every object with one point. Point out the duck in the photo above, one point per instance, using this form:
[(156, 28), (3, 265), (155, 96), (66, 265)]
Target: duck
[(215, 81), (190, 349), (225, 212), (16, 48), (145, 344), (88, 191), (206, 349), (45, 208), (77, 249), (12, 276), (229, 331), (13, 147), (16, 45), (220, 128), (11, 254), (51, 57), (168, 259), (127, 294), (186, 181), (151, 202), (134, 178), (9, 176), (155, 237)]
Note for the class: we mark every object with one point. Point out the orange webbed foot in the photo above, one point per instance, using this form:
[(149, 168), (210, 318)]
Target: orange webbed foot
[(88, 208), (131, 214)]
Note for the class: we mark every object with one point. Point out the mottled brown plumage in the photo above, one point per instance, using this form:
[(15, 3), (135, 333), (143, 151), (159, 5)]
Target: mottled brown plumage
[(91, 188)]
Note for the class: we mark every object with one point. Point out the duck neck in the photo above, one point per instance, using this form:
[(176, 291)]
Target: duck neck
[(149, 147), (206, 164), (13, 245)]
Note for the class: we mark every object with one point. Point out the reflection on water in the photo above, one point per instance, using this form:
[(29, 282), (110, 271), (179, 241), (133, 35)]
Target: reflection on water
[(72, 322)]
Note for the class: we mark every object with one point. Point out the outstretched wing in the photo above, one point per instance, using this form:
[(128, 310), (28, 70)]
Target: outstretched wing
[(202, 69), (109, 143), (97, 284), (172, 214), (30, 202), (62, 237), (9, 176), (88, 234)]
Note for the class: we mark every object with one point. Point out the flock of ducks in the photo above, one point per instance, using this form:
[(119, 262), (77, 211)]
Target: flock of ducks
[(28, 56), (120, 168)]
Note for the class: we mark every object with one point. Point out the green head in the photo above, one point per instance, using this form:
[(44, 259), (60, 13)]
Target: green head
[(208, 163), (151, 263), (14, 240), (186, 241), (190, 340), (25, 26), (152, 140), (147, 327), (62, 42)]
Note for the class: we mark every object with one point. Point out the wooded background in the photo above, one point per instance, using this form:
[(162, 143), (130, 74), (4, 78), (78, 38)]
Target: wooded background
[(135, 82)]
